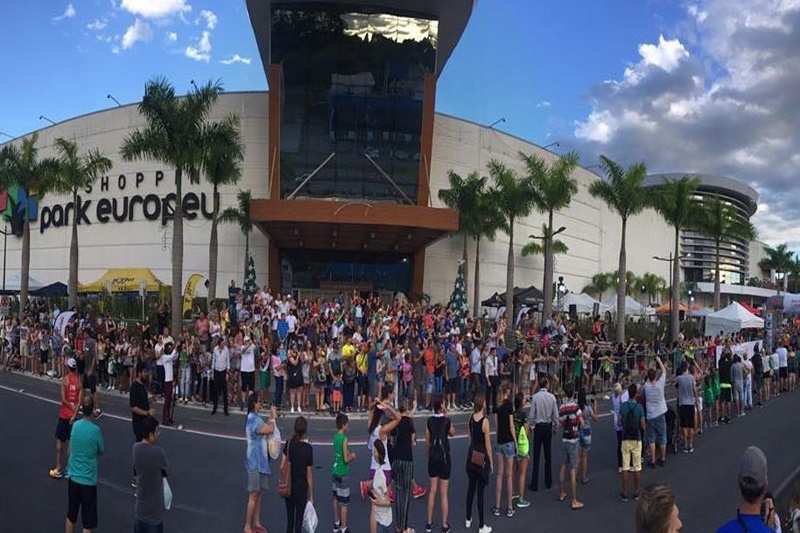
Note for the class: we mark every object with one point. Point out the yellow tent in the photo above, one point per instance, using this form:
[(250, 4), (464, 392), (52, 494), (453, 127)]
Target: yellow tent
[(124, 280)]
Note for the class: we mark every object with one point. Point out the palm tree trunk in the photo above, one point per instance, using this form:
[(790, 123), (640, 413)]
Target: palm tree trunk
[(510, 278), (213, 251), (716, 278), (73, 256), (465, 258), (676, 281), (621, 270), (476, 291), (25, 270), (177, 256), (246, 253), (548, 269)]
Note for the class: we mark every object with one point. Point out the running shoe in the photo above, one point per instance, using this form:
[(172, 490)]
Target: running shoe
[(419, 492), (510, 512), (428, 528), (485, 529), (468, 523), (523, 503), (446, 528), (98, 413), (337, 526), (496, 511), (259, 529), (56, 474), (623, 496)]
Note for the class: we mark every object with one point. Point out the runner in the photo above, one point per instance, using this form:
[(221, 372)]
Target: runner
[(71, 398)]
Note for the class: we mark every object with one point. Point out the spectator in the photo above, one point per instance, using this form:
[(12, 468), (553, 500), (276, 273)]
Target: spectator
[(342, 457), (152, 467), (632, 421), (687, 401), (657, 511), (438, 431), (86, 446), (544, 417), (301, 456), (479, 462), (752, 482), (256, 461), (656, 404), (570, 420), (619, 397)]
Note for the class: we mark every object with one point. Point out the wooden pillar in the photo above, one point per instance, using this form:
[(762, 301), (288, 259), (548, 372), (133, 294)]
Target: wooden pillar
[(274, 131), (426, 139), (418, 273), (274, 265)]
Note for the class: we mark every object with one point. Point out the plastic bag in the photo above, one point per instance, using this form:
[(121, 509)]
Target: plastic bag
[(167, 495), (310, 519), (274, 443)]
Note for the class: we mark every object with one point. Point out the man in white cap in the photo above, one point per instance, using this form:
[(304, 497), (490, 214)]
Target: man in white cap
[(752, 480), (71, 397)]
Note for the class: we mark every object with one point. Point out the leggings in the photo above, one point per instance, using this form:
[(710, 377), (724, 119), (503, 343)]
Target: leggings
[(402, 473), (475, 482), (295, 508), (619, 449)]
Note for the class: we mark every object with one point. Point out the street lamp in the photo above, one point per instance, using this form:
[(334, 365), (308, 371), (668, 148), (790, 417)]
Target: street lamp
[(42, 117), (496, 122), (544, 238), (110, 97), (557, 145), (7, 135), (670, 260)]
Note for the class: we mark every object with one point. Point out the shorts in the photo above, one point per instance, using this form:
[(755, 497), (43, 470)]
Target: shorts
[(83, 497), (507, 449), (700, 404), (90, 382), (452, 386), (738, 391), (783, 372), (429, 384), (631, 456), (725, 394), (585, 439), (657, 430), (337, 396), (43, 356), (341, 490), (63, 429), (23, 349), (686, 416), (570, 448), (248, 381), (263, 380), (256, 481), (440, 470)]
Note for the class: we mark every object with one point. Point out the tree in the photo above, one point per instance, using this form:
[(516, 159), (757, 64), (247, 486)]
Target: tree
[(240, 215), (653, 285), (623, 193), (463, 196), (629, 287), (554, 188), (719, 221), (535, 248), (514, 198), (222, 165), (20, 165), (601, 282), (674, 201), (489, 221), (75, 174), (176, 134), (779, 259)]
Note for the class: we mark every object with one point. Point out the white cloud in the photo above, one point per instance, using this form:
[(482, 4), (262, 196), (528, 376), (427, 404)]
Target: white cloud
[(96, 25), (172, 36), (666, 54), (156, 8), (210, 17), (543, 103), (236, 58), (115, 50), (69, 13), (203, 50), (140, 31)]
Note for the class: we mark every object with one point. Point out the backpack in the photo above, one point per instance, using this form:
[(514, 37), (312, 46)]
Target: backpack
[(437, 453), (523, 446), (630, 428)]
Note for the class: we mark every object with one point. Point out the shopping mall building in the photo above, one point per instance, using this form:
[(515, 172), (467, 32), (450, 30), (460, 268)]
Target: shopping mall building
[(345, 157)]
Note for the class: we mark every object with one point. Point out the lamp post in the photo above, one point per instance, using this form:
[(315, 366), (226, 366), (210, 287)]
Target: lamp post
[(7, 135), (110, 97), (670, 260), (496, 122), (557, 145), (42, 117)]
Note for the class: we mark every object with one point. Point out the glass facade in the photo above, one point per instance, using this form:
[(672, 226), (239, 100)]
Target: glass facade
[(351, 100), (311, 269)]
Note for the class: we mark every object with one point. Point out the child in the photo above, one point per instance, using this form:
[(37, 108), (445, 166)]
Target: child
[(380, 521), (407, 376), (113, 369), (340, 471), (336, 397)]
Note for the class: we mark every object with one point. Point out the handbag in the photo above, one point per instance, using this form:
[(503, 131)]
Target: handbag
[(285, 481), (477, 458)]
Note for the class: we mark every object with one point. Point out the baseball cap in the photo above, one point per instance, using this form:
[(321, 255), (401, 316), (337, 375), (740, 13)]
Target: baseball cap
[(753, 468), (71, 362)]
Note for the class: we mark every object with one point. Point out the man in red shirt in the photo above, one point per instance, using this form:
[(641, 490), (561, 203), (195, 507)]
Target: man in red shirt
[(71, 398)]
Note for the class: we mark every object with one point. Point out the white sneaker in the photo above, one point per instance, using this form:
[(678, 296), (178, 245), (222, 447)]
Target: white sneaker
[(299, 409), (292, 409), (485, 529), (468, 524)]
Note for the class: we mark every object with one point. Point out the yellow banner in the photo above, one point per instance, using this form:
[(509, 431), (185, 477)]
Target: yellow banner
[(188, 294)]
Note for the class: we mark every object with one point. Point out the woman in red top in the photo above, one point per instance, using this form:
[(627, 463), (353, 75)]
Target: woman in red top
[(71, 397)]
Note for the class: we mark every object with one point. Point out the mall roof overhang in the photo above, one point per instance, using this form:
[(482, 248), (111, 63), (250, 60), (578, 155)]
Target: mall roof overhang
[(352, 225), (452, 15), (721, 185)]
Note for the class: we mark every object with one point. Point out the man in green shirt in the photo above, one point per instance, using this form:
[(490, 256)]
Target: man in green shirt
[(339, 472), (87, 445)]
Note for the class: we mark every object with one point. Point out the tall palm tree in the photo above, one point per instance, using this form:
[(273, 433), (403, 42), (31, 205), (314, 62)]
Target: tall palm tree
[(20, 165), (554, 188), (653, 285), (463, 195), (629, 287), (623, 193), (175, 134), (535, 248), (240, 215), (718, 220), (489, 221), (601, 282), (222, 165), (76, 173), (674, 201), (514, 197), (779, 259)]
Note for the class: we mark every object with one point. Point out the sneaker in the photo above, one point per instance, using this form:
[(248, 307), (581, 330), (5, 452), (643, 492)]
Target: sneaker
[(510, 512), (364, 490), (446, 528), (419, 492), (496, 511), (685, 450), (623, 496), (662, 463), (485, 529), (428, 528), (292, 410), (468, 523), (56, 474), (619, 470), (691, 449), (637, 495), (523, 503), (98, 413), (337, 526)]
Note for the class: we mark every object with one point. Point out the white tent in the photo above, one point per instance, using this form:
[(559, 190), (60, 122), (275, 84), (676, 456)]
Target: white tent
[(582, 301), (732, 319), (632, 307), (14, 283)]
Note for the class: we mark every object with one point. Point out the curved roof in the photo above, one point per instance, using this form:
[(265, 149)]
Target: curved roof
[(713, 183), (452, 15)]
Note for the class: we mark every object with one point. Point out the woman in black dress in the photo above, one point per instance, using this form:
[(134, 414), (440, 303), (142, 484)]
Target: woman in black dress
[(479, 461), (299, 452)]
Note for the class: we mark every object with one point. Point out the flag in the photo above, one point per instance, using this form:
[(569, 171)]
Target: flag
[(458, 300), (250, 287)]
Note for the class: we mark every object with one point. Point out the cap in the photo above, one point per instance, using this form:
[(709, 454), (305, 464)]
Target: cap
[(71, 362), (753, 468)]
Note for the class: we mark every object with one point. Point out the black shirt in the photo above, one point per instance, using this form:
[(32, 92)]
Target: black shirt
[(504, 414), (302, 456), (139, 399), (404, 433), (725, 365)]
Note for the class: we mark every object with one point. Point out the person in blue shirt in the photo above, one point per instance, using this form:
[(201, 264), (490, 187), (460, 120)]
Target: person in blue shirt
[(85, 446), (752, 480), (257, 461)]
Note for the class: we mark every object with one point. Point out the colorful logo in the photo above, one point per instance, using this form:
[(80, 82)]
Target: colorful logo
[(12, 208)]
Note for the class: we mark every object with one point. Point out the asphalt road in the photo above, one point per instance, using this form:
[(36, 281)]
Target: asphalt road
[(208, 477)]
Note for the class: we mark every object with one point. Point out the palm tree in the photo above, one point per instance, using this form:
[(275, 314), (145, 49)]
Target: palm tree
[(463, 195), (222, 164), (75, 174), (514, 197), (629, 287), (779, 259), (554, 188), (489, 221), (240, 215), (176, 134), (601, 282), (20, 165), (534, 248), (718, 220), (674, 201), (623, 193), (653, 285)]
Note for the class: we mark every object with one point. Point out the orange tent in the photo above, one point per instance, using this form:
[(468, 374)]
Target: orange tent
[(666, 308)]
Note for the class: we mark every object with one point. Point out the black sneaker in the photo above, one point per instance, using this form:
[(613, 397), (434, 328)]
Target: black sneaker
[(662, 463), (337, 526), (428, 528), (446, 528), (623, 496), (637, 495), (496, 511)]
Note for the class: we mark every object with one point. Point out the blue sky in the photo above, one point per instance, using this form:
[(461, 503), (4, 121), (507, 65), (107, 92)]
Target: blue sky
[(684, 85)]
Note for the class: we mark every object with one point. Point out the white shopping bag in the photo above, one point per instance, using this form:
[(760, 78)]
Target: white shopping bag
[(274, 443), (310, 519), (167, 495)]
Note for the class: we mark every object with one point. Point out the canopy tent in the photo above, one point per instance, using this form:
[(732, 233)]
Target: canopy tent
[(124, 280), (750, 308), (632, 307), (584, 304), (732, 319), (493, 301), (705, 311), (14, 284), (666, 308), (528, 296), (52, 290)]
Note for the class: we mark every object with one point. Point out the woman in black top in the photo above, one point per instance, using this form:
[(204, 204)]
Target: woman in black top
[(301, 455), (438, 431), (478, 474), (402, 458), (506, 450)]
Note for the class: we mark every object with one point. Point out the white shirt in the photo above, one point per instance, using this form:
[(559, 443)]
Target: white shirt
[(654, 396), (491, 366), (221, 360), (783, 357), (292, 321), (383, 515), (248, 358), (373, 464), (167, 360)]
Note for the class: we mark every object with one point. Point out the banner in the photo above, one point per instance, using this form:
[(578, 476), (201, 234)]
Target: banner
[(188, 294), (62, 320)]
